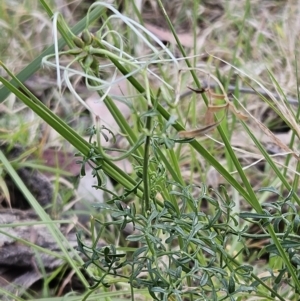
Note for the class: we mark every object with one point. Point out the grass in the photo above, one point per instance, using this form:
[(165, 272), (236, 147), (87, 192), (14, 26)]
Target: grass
[(210, 223)]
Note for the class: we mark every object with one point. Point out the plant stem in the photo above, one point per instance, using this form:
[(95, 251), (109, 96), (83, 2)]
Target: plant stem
[(146, 198)]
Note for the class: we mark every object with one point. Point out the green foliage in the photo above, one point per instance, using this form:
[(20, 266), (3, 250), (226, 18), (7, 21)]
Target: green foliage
[(183, 252)]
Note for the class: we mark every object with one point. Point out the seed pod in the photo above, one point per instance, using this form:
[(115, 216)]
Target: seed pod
[(95, 66), (78, 42), (87, 37), (74, 51), (88, 61)]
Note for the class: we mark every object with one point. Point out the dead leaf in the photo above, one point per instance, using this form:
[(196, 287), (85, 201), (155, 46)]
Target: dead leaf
[(209, 117), (236, 112), (199, 132), (198, 91), (216, 96), (217, 108)]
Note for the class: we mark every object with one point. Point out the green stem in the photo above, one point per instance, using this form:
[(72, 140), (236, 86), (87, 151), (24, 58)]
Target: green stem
[(146, 206)]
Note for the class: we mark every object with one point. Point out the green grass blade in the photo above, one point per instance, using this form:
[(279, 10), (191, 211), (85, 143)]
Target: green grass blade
[(287, 185), (249, 195), (270, 161), (69, 134), (12, 296)]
